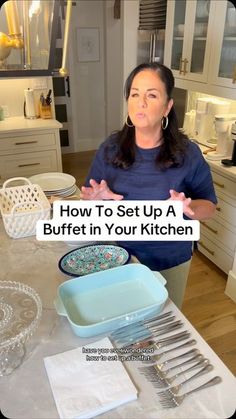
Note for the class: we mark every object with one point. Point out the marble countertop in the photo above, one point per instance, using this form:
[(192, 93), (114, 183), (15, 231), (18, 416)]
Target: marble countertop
[(26, 392), (229, 172), (19, 123)]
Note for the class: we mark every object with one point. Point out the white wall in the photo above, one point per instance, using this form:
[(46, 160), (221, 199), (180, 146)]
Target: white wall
[(87, 79)]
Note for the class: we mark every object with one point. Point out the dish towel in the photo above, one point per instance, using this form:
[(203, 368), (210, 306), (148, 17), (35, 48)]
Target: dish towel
[(84, 387)]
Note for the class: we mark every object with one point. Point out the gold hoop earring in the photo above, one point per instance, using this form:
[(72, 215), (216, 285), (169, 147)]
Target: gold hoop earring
[(164, 122), (126, 121)]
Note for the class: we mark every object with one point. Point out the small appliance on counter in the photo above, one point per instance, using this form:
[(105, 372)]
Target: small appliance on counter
[(206, 109), (232, 161), (224, 145), (189, 123)]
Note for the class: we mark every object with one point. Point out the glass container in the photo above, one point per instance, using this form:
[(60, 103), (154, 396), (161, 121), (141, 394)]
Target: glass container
[(20, 314)]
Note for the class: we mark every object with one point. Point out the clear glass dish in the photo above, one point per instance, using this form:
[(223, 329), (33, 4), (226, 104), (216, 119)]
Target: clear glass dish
[(20, 314)]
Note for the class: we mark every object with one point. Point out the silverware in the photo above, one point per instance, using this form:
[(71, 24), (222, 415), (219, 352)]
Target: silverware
[(156, 357), (170, 360), (161, 319), (151, 343), (158, 370), (177, 400), (135, 327), (149, 333), (174, 390), (160, 380)]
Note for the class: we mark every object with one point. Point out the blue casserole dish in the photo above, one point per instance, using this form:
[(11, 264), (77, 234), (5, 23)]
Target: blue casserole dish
[(104, 301)]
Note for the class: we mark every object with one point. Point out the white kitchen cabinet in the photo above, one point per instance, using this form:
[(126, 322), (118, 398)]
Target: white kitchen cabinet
[(218, 235), (223, 60), (188, 39), (29, 147), (200, 45)]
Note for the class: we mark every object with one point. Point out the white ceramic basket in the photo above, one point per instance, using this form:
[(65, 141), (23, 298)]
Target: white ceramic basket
[(22, 206)]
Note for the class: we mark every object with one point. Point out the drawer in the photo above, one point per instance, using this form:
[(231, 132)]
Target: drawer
[(225, 212), (19, 144), (216, 254), (224, 185), (219, 234), (28, 164)]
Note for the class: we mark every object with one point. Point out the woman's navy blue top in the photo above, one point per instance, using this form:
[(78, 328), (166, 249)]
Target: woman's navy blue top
[(145, 181)]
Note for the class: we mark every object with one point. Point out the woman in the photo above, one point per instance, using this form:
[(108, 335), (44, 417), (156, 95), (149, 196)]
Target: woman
[(151, 159)]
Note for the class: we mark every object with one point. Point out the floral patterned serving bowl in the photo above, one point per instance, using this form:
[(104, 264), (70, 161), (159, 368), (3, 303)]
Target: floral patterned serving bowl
[(93, 258)]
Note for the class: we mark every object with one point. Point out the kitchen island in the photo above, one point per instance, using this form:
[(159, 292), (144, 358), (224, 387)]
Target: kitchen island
[(26, 393)]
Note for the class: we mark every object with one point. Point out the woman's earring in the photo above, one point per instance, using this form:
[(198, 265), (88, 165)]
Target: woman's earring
[(164, 122), (126, 121)]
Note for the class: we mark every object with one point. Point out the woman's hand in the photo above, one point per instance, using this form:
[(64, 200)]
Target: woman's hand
[(98, 191), (180, 196)]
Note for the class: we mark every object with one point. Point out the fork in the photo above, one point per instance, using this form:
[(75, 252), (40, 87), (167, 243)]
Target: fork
[(177, 400), (157, 357), (162, 382), (170, 360), (174, 390), (157, 369)]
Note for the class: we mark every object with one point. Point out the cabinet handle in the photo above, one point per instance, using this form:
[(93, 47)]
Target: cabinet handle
[(234, 75), (209, 228), (221, 185), (68, 86), (185, 66), (218, 209), (29, 164), (206, 248), (180, 66), (26, 142)]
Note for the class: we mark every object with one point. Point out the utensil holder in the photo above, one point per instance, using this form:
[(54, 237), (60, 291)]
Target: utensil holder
[(45, 111)]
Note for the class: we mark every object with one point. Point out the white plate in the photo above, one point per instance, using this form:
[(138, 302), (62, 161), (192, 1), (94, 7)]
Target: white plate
[(53, 181), (62, 192)]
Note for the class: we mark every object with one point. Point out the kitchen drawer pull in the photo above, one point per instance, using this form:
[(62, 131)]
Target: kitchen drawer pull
[(180, 66), (218, 209), (209, 228), (206, 248), (221, 185), (185, 66), (26, 142), (28, 164)]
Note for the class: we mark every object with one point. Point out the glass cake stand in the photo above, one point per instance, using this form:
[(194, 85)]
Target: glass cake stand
[(20, 314)]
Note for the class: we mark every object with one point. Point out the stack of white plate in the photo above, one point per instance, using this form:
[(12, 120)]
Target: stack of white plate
[(55, 183)]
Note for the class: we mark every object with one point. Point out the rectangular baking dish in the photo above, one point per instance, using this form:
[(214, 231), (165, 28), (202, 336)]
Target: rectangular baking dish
[(104, 301)]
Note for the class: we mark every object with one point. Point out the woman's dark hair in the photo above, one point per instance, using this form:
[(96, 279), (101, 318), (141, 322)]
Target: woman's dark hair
[(175, 142)]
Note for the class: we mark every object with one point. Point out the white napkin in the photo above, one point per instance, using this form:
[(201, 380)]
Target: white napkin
[(84, 389)]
